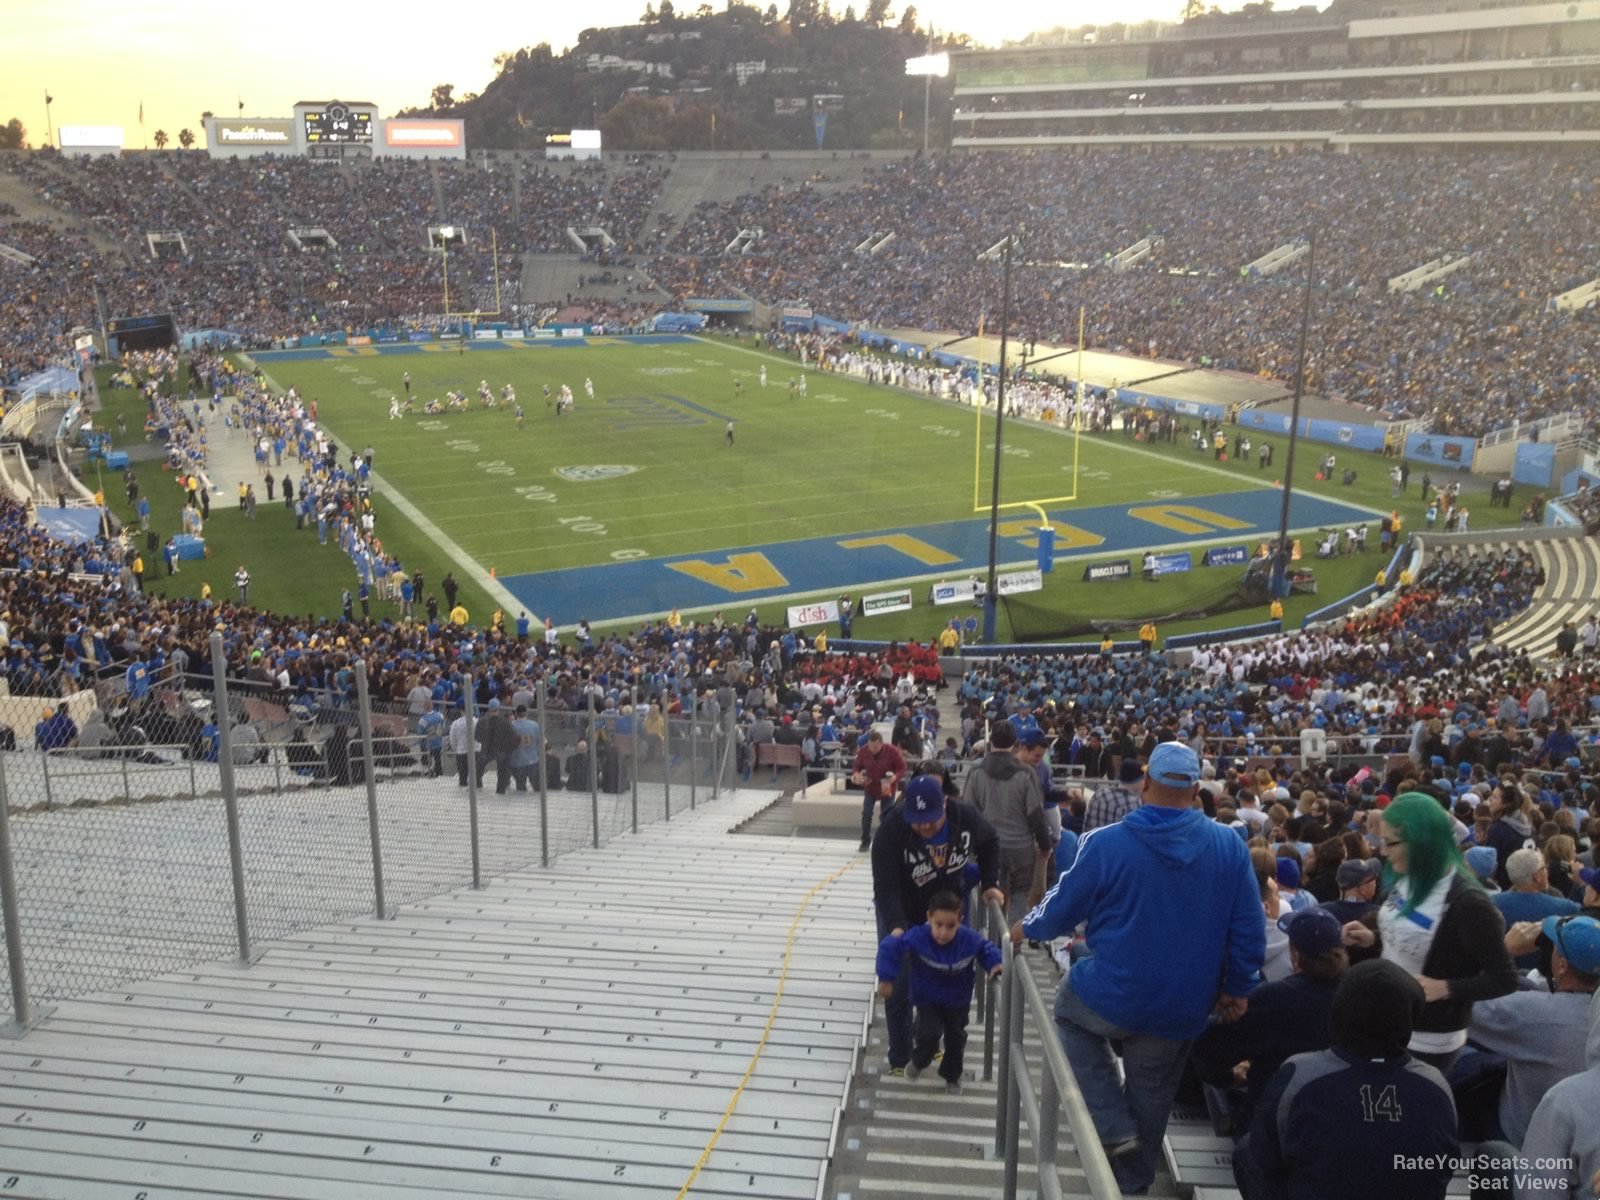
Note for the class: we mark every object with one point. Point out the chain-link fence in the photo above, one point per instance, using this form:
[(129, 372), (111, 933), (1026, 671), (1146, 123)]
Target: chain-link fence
[(195, 818)]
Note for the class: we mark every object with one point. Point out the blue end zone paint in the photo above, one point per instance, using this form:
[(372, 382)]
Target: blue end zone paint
[(627, 589), (385, 349)]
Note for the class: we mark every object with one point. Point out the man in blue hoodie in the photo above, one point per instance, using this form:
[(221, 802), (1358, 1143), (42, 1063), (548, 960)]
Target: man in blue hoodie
[(1172, 910)]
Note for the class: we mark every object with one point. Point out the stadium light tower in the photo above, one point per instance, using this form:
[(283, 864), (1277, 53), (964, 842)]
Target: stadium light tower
[(990, 598), (927, 66), (1279, 582)]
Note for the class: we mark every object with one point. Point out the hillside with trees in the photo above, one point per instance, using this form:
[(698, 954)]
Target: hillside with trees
[(741, 78)]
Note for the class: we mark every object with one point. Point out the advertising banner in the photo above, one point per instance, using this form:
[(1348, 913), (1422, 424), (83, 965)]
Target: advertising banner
[(787, 106), (1335, 433), (1097, 572), (1271, 422), (1016, 582), (813, 614), (89, 135), (960, 592), (698, 304), (1156, 565), (258, 133), (423, 135), (886, 602), (1226, 556), (1441, 451)]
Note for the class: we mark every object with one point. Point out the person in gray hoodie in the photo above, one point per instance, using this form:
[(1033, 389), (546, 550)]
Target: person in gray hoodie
[(1564, 1130), (1006, 791), (1539, 1031)]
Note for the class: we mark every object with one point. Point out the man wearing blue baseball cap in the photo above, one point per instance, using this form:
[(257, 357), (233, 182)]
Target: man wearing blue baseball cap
[(1171, 908), (1539, 1034), (1563, 1141)]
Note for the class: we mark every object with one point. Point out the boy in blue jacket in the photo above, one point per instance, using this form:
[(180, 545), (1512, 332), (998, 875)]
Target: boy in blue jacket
[(943, 957)]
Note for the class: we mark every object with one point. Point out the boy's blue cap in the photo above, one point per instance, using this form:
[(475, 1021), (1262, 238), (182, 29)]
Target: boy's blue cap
[(1174, 764)]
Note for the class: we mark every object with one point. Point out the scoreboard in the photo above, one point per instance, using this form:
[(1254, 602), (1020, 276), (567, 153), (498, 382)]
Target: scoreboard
[(337, 124)]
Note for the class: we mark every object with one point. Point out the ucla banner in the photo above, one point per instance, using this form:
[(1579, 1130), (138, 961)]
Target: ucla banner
[(962, 590)]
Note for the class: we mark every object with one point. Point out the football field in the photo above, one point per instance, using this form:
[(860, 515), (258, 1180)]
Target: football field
[(636, 501)]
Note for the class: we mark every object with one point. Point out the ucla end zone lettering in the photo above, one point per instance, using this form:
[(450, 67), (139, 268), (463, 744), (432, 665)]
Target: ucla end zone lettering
[(948, 553)]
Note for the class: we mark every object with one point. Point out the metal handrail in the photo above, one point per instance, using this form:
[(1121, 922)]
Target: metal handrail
[(1058, 1094)]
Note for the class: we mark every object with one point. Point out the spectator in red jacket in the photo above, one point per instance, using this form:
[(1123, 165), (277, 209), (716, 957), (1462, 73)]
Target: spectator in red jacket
[(878, 769)]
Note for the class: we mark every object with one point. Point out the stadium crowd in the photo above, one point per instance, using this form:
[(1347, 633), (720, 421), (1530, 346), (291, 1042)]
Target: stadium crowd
[(1479, 349)]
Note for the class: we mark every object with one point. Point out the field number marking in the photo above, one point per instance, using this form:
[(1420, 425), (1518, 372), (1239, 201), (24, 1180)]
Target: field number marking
[(1012, 451)]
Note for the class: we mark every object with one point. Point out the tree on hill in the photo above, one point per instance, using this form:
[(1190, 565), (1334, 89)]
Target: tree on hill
[(536, 92), (13, 135), (877, 13), (160, 139), (186, 138)]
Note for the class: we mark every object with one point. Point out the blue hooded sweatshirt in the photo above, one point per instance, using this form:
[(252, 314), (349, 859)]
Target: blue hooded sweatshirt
[(1174, 918)]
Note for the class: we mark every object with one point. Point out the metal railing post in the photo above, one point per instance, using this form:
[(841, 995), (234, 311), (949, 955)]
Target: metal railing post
[(1014, 1055), (544, 793), (472, 803), (666, 763), (594, 773), (369, 773), (694, 748), (986, 990), (469, 706), (1007, 986), (21, 1014), (230, 793), (127, 784), (48, 801), (638, 736), (730, 750)]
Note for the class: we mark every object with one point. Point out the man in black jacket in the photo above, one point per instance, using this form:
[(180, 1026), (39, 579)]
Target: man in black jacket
[(497, 741), (1362, 1118), (1285, 1017), (923, 845)]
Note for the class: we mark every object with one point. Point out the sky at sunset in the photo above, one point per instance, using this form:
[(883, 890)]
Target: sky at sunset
[(101, 59)]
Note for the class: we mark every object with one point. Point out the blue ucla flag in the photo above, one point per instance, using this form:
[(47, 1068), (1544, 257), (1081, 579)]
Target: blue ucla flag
[(819, 122)]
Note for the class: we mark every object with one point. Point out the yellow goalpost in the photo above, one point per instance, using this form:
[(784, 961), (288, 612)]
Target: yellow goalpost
[(494, 253), (1038, 506)]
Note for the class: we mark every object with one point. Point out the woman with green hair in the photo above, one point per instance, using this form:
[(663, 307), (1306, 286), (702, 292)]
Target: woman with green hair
[(1437, 924)]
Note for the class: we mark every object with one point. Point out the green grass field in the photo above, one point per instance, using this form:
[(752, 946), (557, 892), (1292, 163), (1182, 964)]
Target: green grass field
[(847, 459)]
